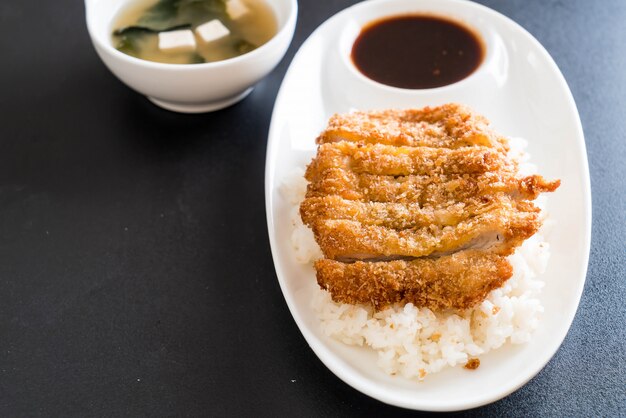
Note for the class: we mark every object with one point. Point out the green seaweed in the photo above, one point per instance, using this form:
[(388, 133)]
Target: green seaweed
[(161, 15), (137, 30), (128, 46), (242, 46), (196, 58), (214, 7), (130, 40), (131, 36), (167, 13)]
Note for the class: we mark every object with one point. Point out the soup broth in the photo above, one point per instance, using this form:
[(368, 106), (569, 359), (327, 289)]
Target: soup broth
[(139, 26)]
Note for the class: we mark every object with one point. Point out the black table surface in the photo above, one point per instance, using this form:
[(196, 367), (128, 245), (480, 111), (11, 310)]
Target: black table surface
[(135, 272)]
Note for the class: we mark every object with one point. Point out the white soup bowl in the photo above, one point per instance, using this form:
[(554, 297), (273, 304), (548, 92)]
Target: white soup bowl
[(190, 88)]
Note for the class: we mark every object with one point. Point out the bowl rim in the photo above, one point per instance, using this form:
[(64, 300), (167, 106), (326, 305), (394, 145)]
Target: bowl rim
[(287, 27)]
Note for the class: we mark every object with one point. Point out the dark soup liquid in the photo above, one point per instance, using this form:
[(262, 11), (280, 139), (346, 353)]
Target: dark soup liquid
[(417, 51)]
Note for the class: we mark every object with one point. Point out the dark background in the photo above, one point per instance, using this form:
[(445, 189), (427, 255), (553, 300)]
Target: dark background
[(135, 271)]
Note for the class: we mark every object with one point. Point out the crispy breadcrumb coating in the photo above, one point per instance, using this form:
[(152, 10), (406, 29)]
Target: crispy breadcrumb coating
[(418, 205), (389, 160), (458, 281), (500, 230), (448, 126), (433, 190)]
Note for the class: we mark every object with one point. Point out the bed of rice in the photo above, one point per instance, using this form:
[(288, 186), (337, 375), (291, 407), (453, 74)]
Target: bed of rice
[(414, 342)]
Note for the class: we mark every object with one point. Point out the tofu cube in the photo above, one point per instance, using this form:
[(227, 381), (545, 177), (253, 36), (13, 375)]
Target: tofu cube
[(212, 31), (177, 41), (236, 9)]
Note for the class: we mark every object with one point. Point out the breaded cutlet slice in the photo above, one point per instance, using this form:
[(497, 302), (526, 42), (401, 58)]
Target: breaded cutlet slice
[(499, 230), (456, 281), (387, 160), (425, 190), (448, 126), (400, 215)]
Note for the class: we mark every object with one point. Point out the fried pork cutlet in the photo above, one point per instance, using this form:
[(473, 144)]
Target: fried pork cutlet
[(406, 214), (424, 190), (389, 160), (448, 126), (499, 231), (418, 206), (459, 280)]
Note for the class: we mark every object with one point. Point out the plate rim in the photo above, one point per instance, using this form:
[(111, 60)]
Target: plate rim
[(322, 351)]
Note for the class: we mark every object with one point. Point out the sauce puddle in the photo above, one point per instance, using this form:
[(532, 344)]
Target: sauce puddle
[(417, 51)]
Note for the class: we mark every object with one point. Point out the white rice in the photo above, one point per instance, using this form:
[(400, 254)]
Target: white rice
[(414, 342)]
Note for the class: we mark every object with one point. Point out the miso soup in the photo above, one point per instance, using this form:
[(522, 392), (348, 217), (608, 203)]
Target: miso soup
[(193, 31)]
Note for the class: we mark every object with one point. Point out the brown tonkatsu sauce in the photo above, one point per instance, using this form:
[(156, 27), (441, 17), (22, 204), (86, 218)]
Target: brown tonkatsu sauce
[(417, 51)]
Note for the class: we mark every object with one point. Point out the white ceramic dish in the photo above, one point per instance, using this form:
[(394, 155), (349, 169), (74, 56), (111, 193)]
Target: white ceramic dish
[(190, 88), (521, 90)]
